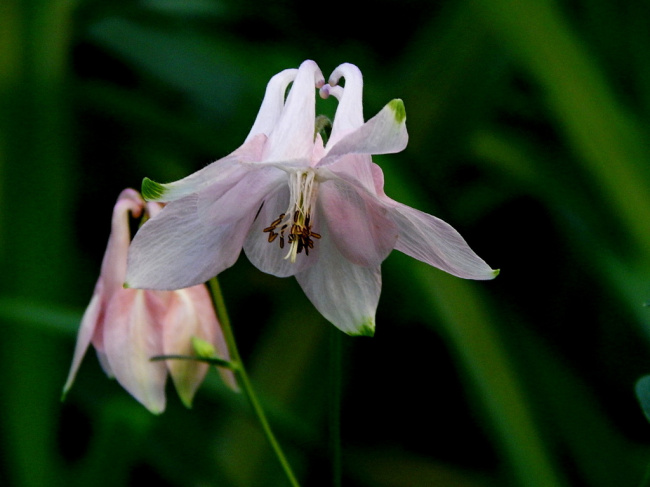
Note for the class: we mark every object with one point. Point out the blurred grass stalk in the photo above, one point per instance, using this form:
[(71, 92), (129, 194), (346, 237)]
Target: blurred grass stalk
[(605, 136), (35, 160), (606, 139)]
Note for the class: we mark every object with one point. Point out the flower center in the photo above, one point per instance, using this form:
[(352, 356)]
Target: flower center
[(295, 223)]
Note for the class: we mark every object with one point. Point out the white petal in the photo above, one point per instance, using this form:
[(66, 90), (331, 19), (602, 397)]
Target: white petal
[(268, 256), (349, 114), (385, 133), (131, 337), (344, 293), (272, 104), (435, 242), (176, 249), (293, 136), (226, 202)]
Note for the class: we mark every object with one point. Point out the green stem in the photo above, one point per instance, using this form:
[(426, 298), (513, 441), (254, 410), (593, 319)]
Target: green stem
[(244, 381), (335, 404)]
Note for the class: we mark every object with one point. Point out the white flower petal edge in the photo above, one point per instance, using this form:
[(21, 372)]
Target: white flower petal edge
[(385, 133), (220, 171), (433, 241)]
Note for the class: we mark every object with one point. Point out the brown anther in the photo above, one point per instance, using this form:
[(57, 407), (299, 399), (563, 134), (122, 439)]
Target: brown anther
[(274, 224), (298, 232)]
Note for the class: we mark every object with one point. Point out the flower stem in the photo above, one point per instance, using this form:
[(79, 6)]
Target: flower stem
[(245, 383), (335, 404)]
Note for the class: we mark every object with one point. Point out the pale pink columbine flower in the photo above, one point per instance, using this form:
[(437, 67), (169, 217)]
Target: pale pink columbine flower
[(129, 326), (298, 207)]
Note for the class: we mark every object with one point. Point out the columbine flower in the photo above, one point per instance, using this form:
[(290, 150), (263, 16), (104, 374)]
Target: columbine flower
[(299, 207), (129, 326)]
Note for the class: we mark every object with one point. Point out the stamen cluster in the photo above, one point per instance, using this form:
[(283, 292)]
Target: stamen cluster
[(298, 226)]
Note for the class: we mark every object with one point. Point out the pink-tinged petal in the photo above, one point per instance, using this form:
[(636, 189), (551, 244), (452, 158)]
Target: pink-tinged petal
[(385, 133), (293, 136), (211, 328), (89, 323), (357, 222), (133, 337), (344, 293), (435, 242), (219, 172), (114, 263), (273, 103), (349, 114), (268, 256), (191, 314), (357, 168), (177, 249)]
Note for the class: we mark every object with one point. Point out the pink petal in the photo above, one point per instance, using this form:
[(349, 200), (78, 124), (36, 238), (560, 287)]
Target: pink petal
[(131, 337), (357, 223), (273, 103), (431, 240), (293, 136), (268, 256), (385, 133), (344, 293), (356, 168)]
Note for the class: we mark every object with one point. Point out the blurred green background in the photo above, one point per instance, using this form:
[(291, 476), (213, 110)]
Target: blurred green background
[(528, 124)]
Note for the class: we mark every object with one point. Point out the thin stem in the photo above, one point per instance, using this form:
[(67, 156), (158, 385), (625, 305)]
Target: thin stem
[(335, 404), (245, 382)]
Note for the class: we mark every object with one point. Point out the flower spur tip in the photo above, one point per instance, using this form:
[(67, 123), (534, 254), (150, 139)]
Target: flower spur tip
[(151, 190)]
